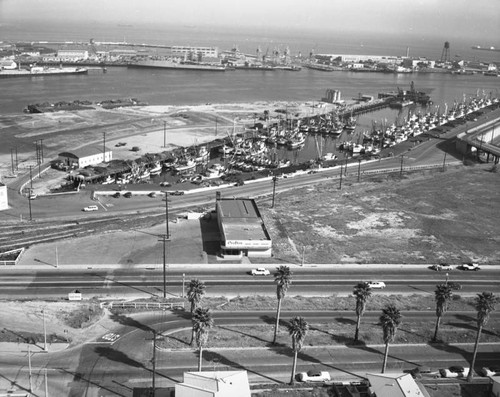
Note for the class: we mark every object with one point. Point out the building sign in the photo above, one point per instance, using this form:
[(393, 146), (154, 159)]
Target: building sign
[(248, 244)]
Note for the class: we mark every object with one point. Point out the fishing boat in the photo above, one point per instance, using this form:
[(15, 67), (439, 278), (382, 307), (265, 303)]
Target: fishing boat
[(296, 141), (157, 168), (185, 166)]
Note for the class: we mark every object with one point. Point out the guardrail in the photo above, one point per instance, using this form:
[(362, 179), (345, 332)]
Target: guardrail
[(143, 305)]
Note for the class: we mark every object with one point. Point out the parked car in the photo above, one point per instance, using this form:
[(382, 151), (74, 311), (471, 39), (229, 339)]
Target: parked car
[(441, 266), (152, 194), (314, 376), (376, 284), (470, 266), (177, 193), (91, 208), (117, 195), (423, 372), (260, 271), (493, 370), (455, 371), (127, 195), (165, 183), (33, 196)]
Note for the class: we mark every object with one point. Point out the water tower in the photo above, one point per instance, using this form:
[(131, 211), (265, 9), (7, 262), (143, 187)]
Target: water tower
[(445, 55)]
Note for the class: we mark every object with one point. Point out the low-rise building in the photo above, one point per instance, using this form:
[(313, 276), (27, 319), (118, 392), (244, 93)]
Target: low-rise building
[(4, 201), (72, 55), (395, 385), (89, 155), (214, 384), (242, 229)]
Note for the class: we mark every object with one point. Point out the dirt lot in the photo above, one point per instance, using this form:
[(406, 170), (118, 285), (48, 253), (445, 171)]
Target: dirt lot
[(422, 218)]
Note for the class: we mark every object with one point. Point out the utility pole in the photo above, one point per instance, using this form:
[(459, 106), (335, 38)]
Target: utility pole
[(340, 181), (153, 361), (401, 170), (164, 134), (359, 169), (44, 332), (12, 159), (216, 120), (164, 241), (29, 368), (444, 162), (183, 282), (275, 179), (57, 259), (104, 147)]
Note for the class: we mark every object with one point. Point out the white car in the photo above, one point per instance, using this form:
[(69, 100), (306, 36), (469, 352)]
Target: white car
[(91, 208), (314, 376), (260, 271), (491, 371), (442, 266), (454, 372), (376, 284), (470, 266)]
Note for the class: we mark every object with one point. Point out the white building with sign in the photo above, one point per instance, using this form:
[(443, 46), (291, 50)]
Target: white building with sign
[(242, 230), (89, 155), (4, 200)]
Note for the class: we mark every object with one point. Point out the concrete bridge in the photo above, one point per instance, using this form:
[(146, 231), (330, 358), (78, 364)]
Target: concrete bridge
[(483, 138)]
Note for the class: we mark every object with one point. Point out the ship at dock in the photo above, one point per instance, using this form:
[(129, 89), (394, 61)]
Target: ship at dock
[(41, 71), (170, 64)]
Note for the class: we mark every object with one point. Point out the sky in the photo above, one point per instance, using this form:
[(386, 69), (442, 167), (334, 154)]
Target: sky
[(478, 20)]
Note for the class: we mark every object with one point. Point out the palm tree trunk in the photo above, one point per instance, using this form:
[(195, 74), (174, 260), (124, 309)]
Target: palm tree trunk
[(356, 334), (294, 367), (277, 321), (436, 330), (200, 358), (385, 357), (473, 363), (192, 335)]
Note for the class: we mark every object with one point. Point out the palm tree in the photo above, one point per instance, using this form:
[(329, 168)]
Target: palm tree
[(485, 304), (390, 321), (202, 322), (283, 279), (196, 290), (362, 292), (442, 296), (297, 328)]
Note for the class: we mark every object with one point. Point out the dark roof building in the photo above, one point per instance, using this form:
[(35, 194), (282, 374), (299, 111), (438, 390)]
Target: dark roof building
[(243, 232)]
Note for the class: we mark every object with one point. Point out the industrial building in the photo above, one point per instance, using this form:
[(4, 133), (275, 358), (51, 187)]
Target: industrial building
[(242, 229), (90, 155)]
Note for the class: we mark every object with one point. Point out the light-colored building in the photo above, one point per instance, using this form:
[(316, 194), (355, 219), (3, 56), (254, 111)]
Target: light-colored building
[(360, 58), (395, 385), (72, 55), (205, 52), (4, 201), (214, 384), (82, 157), (242, 229), (7, 64)]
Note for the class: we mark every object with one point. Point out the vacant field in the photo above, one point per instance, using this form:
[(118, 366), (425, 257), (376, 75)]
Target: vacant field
[(422, 218)]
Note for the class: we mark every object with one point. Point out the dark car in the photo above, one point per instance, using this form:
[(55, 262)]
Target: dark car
[(117, 194), (177, 193), (128, 195)]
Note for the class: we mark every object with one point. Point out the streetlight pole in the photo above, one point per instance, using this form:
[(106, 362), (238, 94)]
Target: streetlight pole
[(340, 181), (359, 169), (401, 170)]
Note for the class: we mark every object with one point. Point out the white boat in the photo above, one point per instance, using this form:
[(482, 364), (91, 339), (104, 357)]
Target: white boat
[(202, 155), (185, 166), (156, 170), (144, 174), (297, 141), (329, 156), (109, 180)]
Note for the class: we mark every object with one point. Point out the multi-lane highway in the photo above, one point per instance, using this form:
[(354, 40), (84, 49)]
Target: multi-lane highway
[(310, 280)]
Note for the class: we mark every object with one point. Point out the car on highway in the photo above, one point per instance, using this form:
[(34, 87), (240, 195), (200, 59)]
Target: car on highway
[(441, 266), (91, 208), (33, 196), (470, 266), (127, 195), (493, 370), (117, 195), (375, 284), (423, 372), (152, 194), (177, 193), (260, 271), (313, 376), (455, 371), (165, 183)]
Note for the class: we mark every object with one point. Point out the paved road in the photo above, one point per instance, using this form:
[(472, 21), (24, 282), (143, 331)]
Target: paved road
[(232, 281), (126, 362)]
